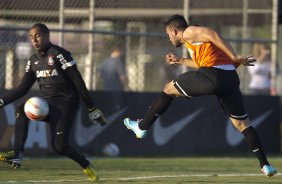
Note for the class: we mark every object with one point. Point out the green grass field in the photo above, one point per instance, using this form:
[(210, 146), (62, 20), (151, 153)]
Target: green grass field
[(192, 170)]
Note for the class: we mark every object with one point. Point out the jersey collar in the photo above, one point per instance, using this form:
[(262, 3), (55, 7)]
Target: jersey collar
[(46, 49)]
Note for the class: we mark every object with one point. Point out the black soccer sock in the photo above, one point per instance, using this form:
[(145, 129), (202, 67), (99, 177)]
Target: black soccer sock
[(21, 129), (255, 145), (157, 108)]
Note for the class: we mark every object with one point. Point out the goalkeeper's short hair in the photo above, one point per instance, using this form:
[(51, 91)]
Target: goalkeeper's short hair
[(42, 27)]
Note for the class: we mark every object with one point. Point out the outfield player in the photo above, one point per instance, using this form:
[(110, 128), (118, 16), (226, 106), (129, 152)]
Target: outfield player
[(61, 84), (215, 62)]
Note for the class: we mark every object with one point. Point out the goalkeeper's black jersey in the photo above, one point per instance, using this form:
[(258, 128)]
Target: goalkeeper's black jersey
[(57, 75)]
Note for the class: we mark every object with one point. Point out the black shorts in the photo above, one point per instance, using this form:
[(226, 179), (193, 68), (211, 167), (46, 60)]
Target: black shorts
[(213, 81), (61, 118)]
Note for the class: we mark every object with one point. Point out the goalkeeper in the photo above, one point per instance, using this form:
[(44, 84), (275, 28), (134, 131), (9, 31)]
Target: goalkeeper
[(61, 84)]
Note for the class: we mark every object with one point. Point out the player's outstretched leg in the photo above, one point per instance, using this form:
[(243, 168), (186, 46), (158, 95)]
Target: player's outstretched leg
[(91, 173), (157, 108), (11, 158), (253, 140), (268, 170), (133, 125)]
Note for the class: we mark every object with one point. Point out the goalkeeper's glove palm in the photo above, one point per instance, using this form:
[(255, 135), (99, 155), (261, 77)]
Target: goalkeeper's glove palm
[(96, 116)]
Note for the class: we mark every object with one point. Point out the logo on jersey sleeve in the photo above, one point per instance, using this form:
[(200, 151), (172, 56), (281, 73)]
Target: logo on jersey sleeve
[(61, 59), (27, 66), (50, 60), (46, 73)]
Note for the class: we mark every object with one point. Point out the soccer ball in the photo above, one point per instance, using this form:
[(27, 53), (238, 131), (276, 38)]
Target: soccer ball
[(36, 108), (111, 150)]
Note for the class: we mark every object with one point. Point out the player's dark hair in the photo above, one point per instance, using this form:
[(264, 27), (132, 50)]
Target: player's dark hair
[(176, 21), (42, 27)]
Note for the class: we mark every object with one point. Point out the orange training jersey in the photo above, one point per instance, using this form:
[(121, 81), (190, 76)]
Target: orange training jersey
[(206, 54)]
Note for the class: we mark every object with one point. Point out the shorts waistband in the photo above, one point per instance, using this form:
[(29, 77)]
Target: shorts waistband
[(225, 67)]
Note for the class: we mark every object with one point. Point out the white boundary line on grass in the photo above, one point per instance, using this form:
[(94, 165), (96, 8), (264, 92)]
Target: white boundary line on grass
[(139, 178), (193, 175)]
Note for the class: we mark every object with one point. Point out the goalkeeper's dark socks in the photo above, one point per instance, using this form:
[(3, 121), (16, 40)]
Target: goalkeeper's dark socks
[(158, 107), (85, 164), (255, 145), (21, 129), (18, 154)]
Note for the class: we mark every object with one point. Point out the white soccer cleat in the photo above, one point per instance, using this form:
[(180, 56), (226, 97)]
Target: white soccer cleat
[(268, 170), (133, 125)]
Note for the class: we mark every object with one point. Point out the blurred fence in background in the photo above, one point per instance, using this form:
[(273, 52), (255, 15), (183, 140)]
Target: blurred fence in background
[(90, 29)]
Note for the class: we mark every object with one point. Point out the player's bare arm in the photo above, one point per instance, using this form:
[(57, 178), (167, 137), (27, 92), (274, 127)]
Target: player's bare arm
[(203, 34), (172, 59)]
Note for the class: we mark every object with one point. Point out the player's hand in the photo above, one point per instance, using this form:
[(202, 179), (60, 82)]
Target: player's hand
[(172, 59), (1, 103), (247, 61), (96, 116)]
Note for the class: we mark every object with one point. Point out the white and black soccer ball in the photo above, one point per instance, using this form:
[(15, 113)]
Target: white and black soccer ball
[(36, 108), (111, 150)]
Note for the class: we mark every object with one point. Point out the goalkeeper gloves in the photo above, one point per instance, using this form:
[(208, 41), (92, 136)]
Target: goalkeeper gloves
[(96, 116)]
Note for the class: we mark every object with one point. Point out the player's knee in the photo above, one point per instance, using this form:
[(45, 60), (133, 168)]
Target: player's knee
[(170, 89), (241, 124), (60, 147), (166, 89)]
